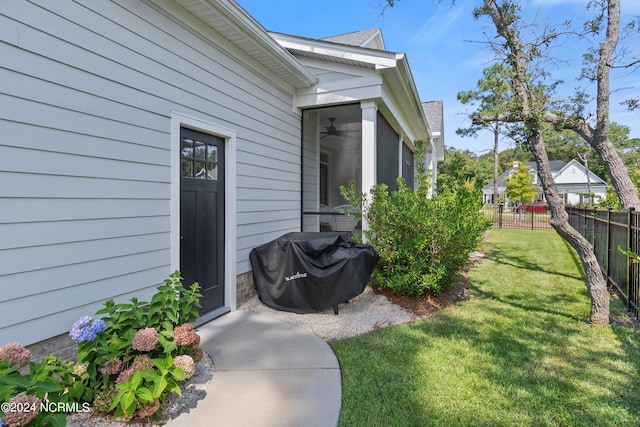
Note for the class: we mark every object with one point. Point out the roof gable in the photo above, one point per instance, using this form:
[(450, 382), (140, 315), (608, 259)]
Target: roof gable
[(386, 76), (574, 172), (370, 39)]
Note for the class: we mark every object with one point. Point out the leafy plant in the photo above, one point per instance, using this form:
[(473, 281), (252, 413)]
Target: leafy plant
[(628, 252), (148, 388), (48, 381), (423, 242), (135, 350)]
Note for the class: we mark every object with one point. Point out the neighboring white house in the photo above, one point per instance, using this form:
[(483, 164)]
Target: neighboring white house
[(570, 178), (142, 137)]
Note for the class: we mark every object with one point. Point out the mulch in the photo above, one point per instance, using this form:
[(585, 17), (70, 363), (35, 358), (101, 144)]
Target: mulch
[(422, 306)]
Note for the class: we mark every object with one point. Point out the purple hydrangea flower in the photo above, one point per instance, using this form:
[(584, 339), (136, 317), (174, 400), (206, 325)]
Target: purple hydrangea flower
[(86, 330), (124, 376)]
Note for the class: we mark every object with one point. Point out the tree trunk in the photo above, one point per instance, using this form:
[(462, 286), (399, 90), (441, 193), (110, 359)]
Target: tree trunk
[(502, 15), (596, 283), (616, 169)]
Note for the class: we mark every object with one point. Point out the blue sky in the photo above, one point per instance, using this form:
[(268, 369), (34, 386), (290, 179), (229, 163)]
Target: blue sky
[(442, 43)]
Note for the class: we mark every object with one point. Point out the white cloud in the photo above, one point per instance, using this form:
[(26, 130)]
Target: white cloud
[(439, 25)]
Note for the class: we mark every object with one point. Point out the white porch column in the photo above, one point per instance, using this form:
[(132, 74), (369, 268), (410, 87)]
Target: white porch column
[(369, 176), (430, 164)]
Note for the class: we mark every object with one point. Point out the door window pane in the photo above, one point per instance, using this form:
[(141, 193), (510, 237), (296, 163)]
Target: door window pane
[(199, 159)]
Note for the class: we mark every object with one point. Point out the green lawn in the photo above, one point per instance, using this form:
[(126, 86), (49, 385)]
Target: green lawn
[(518, 352)]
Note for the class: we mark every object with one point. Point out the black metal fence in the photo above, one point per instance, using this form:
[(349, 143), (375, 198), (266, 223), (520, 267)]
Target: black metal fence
[(607, 230), (531, 217)]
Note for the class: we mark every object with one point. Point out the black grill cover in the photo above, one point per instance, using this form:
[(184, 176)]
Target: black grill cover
[(310, 272)]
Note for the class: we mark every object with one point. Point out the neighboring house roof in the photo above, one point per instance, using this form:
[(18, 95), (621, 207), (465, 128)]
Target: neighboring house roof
[(371, 39), (434, 112), (558, 169)]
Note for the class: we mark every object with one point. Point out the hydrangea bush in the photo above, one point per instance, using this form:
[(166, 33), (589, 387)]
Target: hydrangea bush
[(129, 361)]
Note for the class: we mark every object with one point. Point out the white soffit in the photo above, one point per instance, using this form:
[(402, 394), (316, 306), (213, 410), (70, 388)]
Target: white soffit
[(236, 25)]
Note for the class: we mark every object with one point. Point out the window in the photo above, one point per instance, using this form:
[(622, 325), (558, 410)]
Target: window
[(198, 159)]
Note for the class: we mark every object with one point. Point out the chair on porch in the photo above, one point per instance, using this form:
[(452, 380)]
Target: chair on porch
[(344, 222), (326, 221)]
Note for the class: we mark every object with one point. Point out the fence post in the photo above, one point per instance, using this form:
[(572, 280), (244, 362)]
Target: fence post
[(532, 209), (593, 227), (608, 259), (500, 209), (630, 261)]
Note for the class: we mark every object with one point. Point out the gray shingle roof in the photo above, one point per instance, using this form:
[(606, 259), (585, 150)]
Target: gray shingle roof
[(433, 110), (356, 38)]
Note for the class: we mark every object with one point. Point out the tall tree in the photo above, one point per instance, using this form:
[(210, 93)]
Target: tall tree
[(492, 96), (571, 115), (458, 167), (531, 98)]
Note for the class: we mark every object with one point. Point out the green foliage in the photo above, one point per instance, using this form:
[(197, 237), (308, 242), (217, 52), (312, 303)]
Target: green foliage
[(423, 243), (51, 380), (460, 166), (611, 199), (634, 257), (171, 306), (147, 387), (520, 189)]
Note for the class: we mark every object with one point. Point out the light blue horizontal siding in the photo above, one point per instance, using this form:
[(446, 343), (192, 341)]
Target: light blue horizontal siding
[(88, 90)]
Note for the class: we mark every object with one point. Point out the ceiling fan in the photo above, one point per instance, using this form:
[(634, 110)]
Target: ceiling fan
[(331, 130)]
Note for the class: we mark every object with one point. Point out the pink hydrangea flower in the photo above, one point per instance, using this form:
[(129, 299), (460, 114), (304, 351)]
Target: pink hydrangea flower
[(184, 335), (145, 339), (15, 354), (111, 366), (30, 407)]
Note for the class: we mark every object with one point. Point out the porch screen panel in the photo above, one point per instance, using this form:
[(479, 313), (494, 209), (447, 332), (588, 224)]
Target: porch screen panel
[(387, 154), (331, 158), (408, 165), (310, 170)]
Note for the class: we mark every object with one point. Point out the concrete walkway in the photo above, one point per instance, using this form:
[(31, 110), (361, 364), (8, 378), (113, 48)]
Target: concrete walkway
[(268, 372)]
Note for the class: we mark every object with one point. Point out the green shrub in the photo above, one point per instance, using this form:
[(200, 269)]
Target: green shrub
[(423, 242)]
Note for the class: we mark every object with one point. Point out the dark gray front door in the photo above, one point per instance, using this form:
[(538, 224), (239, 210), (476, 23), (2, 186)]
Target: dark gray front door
[(202, 215)]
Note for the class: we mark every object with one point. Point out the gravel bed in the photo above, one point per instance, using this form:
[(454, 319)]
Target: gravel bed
[(366, 312)]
